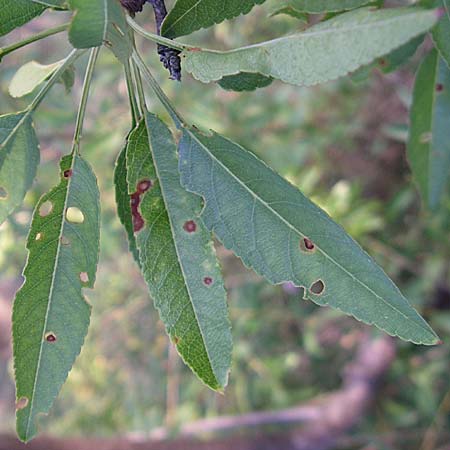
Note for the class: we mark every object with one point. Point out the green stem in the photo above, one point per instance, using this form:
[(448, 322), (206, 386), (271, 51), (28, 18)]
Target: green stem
[(140, 88), (135, 113), (156, 38), (84, 97), (37, 37), (176, 117)]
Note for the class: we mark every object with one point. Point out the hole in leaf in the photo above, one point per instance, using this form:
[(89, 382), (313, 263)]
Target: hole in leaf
[(21, 403), (426, 137), (38, 236), (68, 173), (317, 287), (208, 281), (74, 215), (46, 208), (84, 277), (50, 337), (64, 240), (190, 226), (144, 186), (3, 193), (306, 245), (439, 87)]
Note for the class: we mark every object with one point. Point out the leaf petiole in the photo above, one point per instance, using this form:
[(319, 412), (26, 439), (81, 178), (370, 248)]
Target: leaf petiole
[(84, 97), (37, 37), (135, 113)]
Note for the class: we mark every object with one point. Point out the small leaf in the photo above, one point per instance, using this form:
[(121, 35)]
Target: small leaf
[(19, 158), (324, 52), (15, 13), (99, 22), (51, 315), (188, 16), (30, 76), (177, 255), (244, 82), (321, 6), (123, 201), (285, 237), (429, 145)]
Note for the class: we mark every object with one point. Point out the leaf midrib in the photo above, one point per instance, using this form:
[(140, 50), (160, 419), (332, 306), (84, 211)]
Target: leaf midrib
[(182, 16), (299, 232)]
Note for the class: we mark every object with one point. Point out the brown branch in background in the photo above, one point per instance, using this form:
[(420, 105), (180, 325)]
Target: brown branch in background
[(319, 425)]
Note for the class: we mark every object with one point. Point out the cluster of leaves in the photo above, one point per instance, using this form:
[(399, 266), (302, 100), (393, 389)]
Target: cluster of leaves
[(172, 198)]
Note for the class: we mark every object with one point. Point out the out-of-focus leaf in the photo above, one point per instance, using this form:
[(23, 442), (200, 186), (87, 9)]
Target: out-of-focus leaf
[(285, 237), (15, 13), (441, 33), (51, 315), (429, 144), (19, 158), (324, 52), (29, 77), (177, 254), (188, 16), (99, 22), (244, 82)]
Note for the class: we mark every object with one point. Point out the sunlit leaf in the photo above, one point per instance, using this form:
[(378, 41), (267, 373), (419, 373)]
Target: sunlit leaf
[(429, 143), (15, 13), (285, 237), (188, 16), (324, 52), (19, 158), (177, 255), (51, 315)]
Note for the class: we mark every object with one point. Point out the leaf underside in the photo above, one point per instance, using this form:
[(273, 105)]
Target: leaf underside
[(188, 16), (51, 315), (98, 22), (429, 145), (324, 52), (284, 237), (177, 256), (19, 158)]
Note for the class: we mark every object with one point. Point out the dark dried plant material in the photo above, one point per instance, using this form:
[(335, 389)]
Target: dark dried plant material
[(133, 6)]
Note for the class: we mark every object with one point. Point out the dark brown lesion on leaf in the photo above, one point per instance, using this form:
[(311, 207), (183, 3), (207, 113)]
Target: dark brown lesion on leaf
[(317, 288), (306, 245)]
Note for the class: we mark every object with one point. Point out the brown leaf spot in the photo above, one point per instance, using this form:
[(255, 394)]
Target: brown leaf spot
[(46, 208), (176, 340), (50, 337), (144, 186), (439, 87), (317, 287), (306, 245), (68, 173), (208, 281), (190, 226), (21, 403)]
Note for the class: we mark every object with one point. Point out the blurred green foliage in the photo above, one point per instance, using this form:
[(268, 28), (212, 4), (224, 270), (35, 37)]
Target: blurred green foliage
[(342, 144)]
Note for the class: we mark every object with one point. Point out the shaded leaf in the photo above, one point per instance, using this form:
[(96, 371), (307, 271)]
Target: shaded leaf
[(15, 13), (428, 144), (51, 315), (29, 77), (177, 255), (244, 82), (188, 16), (319, 6), (285, 237), (19, 158), (98, 22), (324, 52), (441, 35)]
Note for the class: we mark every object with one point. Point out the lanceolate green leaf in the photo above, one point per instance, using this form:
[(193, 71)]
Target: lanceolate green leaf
[(441, 33), (15, 13), (123, 201), (19, 158), (244, 82), (324, 52), (283, 236), (99, 22), (188, 16), (177, 255), (321, 6), (429, 143), (51, 315)]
